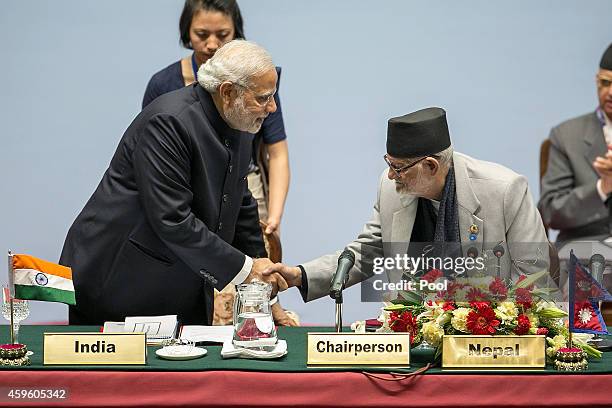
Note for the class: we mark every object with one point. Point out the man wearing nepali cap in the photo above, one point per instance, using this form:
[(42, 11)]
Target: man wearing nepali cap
[(578, 179), (430, 194)]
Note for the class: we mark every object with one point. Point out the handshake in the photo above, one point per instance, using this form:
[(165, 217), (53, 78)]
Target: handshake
[(280, 276)]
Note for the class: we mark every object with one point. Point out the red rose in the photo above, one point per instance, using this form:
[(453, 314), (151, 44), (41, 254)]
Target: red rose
[(432, 275), (448, 306), (523, 325), (542, 330), (498, 289), (476, 295), (523, 297), (480, 305), (482, 320), (404, 322)]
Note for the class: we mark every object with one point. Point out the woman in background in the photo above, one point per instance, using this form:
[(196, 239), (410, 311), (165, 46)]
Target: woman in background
[(205, 26)]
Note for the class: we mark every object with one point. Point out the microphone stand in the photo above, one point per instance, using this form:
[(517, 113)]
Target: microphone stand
[(339, 312)]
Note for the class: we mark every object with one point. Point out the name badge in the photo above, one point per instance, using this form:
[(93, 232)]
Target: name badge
[(503, 352), (95, 348), (380, 349)]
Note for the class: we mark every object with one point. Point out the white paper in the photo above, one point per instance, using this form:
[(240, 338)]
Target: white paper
[(155, 327), (113, 327), (213, 334)]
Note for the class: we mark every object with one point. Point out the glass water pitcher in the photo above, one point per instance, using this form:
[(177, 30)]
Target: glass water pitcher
[(253, 322)]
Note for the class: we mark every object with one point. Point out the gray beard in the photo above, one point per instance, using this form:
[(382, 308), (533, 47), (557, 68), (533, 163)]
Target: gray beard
[(237, 118)]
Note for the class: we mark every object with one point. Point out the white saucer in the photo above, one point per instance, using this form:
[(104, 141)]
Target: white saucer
[(195, 352)]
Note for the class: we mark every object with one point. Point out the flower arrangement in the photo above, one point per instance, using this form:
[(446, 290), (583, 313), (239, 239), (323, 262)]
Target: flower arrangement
[(481, 306)]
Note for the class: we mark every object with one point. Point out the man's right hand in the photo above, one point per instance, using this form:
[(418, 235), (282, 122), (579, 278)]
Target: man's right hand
[(603, 167), (291, 274), (261, 264)]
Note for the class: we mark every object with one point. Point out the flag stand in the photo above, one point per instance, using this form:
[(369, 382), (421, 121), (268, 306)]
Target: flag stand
[(11, 289)]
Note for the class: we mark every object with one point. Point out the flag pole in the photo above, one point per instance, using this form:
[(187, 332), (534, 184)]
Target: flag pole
[(11, 290)]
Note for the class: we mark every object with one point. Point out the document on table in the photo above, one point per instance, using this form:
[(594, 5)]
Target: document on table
[(211, 334), (157, 328), (113, 327)]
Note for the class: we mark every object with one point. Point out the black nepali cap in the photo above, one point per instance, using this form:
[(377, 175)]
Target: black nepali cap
[(418, 134), (606, 59)]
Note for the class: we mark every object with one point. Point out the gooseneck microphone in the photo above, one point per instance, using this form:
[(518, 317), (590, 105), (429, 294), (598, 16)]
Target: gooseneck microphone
[(597, 264), (345, 263)]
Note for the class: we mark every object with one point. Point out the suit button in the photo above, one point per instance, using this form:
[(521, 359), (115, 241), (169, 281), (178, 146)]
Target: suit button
[(227, 144), (225, 198), (231, 168), (220, 226)]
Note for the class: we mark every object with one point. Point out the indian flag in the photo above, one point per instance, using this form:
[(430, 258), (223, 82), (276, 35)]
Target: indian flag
[(36, 279)]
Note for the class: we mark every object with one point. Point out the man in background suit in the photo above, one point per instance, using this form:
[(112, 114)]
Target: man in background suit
[(172, 217), (431, 195), (578, 180)]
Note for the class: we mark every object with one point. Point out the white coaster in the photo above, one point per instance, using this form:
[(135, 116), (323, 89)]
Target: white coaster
[(169, 354)]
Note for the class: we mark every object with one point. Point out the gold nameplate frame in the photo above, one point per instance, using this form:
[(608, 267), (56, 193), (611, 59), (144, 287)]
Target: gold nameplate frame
[(95, 348), (494, 352), (388, 349)]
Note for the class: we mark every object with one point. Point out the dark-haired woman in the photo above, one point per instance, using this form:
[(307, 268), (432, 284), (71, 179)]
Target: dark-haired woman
[(205, 26)]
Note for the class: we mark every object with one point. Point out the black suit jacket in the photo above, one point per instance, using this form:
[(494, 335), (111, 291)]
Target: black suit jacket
[(171, 219)]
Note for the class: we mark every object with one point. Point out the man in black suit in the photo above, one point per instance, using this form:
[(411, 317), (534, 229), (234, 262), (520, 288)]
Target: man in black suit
[(172, 217), (578, 180)]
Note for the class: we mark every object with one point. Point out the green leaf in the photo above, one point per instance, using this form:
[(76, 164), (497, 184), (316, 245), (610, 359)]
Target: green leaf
[(531, 279), (409, 298)]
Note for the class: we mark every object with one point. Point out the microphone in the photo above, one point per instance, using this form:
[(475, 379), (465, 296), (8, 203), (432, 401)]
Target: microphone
[(597, 264), (345, 263), (472, 252)]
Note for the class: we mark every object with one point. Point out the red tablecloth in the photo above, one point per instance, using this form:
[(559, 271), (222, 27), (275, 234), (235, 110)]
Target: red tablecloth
[(345, 389)]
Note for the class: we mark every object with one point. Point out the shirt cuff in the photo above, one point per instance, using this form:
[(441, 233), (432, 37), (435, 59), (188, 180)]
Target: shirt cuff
[(304, 287), (244, 272), (602, 195)]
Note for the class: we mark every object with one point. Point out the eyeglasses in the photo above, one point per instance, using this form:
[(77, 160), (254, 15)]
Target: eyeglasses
[(603, 82), (399, 170), (261, 100)]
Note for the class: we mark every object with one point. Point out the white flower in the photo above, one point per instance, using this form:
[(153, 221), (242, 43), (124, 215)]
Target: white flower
[(432, 310), (384, 319), (432, 333), (459, 319), (506, 311)]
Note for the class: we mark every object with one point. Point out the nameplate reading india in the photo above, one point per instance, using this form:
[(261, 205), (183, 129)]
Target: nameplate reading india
[(388, 349), (95, 348), (509, 352)]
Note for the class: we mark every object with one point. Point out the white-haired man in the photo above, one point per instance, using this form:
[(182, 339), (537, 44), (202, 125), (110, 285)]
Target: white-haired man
[(432, 201), (172, 217)]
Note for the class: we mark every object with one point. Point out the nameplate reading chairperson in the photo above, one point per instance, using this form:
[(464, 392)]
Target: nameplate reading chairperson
[(501, 352), (95, 348), (388, 349)]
